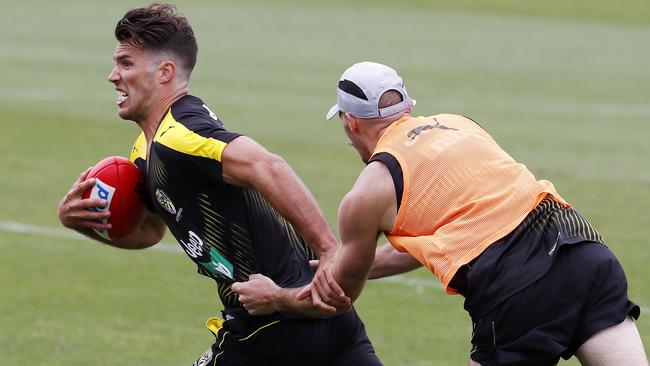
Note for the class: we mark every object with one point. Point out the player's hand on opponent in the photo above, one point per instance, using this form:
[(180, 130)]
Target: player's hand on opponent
[(74, 210), (325, 292), (258, 295)]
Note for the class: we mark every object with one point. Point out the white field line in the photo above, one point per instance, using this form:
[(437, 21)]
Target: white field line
[(43, 231), (413, 281), (17, 227)]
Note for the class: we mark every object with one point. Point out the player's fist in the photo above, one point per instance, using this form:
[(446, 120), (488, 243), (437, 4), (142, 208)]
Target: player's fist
[(74, 211)]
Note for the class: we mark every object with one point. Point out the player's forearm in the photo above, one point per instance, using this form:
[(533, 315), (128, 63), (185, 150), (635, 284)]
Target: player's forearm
[(389, 262), (149, 233), (286, 301), (352, 269), (135, 240), (352, 283), (92, 234)]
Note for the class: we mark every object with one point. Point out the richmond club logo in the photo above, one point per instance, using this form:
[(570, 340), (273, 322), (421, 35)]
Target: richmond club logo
[(165, 202)]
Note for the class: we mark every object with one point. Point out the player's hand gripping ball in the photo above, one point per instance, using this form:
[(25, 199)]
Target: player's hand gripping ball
[(120, 183)]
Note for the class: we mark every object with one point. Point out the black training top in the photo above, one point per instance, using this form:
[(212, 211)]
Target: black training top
[(230, 232)]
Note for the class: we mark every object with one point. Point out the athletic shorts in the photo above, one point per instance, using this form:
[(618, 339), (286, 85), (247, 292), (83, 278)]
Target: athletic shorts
[(337, 341), (578, 288)]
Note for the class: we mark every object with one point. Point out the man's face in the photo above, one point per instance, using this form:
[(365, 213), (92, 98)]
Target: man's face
[(134, 76)]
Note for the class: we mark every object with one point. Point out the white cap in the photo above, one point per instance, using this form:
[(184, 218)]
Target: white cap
[(360, 88)]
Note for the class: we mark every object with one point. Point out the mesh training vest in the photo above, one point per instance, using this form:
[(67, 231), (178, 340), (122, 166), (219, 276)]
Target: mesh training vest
[(462, 192)]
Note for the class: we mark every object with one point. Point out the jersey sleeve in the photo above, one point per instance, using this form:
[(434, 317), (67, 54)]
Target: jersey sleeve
[(138, 157), (216, 140), (139, 150), (221, 134), (193, 138)]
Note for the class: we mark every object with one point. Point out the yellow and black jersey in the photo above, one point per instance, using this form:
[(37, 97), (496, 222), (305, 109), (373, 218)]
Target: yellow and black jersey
[(230, 232)]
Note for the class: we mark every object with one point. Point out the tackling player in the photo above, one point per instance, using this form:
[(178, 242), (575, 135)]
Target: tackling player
[(538, 281)]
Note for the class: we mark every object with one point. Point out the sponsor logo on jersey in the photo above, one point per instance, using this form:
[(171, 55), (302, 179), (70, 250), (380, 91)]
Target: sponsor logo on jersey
[(218, 264), (165, 202), (415, 133), (194, 246), (165, 131)]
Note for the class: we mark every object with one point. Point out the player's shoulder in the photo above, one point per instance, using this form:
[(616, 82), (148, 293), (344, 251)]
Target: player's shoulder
[(372, 200), (374, 184), (195, 115), (192, 128), (139, 149)]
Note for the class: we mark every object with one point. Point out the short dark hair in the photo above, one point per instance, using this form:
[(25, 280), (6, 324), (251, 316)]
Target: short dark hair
[(158, 27), (389, 98)]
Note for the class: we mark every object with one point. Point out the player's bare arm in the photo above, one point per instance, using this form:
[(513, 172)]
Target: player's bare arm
[(149, 233), (389, 262), (246, 163), (367, 210), (261, 296), (74, 213)]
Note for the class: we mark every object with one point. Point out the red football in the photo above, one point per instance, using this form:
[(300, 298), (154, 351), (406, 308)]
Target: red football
[(120, 183)]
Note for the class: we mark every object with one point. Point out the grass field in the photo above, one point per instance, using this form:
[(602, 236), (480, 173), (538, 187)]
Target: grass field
[(563, 86)]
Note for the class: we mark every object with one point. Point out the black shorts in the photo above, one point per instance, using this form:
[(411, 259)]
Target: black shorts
[(583, 292), (337, 341)]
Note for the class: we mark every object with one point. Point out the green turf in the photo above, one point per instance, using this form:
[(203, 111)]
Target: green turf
[(561, 85)]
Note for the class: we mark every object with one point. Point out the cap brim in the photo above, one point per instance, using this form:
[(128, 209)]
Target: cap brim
[(333, 111)]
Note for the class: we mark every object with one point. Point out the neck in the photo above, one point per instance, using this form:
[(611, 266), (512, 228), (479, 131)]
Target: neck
[(158, 109), (382, 125)]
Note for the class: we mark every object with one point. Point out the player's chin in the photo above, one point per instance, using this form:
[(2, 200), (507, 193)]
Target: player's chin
[(123, 113)]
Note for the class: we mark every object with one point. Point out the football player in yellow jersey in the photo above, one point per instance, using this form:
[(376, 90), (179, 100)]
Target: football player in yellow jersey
[(234, 208), (538, 282)]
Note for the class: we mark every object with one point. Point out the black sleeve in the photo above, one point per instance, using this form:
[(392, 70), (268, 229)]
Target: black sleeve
[(142, 189), (218, 133)]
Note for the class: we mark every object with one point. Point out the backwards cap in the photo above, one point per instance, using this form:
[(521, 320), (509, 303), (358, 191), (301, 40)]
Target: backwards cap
[(360, 88)]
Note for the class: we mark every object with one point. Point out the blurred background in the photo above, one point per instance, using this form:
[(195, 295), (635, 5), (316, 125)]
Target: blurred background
[(563, 86)]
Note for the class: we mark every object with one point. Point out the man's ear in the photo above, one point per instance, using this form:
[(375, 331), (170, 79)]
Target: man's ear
[(167, 71), (352, 122)]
